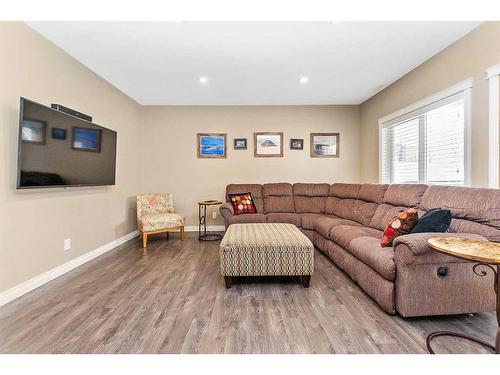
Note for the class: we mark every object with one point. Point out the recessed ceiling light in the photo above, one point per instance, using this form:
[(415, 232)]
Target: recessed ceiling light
[(304, 80), (203, 80)]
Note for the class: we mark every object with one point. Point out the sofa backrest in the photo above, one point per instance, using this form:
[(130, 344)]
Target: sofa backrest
[(397, 197), (310, 198), (357, 202), (278, 198), (474, 210), (255, 189)]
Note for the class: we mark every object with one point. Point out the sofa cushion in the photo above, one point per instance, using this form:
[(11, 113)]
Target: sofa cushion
[(381, 259), (344, 190), (343, 234), (383, 215), (434, 220), (401, 224), (248, 218), (283, 217), (407, 195), (255, 189), (310, 198), (242, 203), (325, 224), (308, 220), (466, 226), (477, 205), (372, 192), (278, 198)]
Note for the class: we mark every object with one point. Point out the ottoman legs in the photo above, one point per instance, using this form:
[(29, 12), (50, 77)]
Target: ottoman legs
[(306, 279), (228, 280)]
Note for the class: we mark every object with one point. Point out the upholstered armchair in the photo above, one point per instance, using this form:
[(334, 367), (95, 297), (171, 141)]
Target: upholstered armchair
[(155, 214)]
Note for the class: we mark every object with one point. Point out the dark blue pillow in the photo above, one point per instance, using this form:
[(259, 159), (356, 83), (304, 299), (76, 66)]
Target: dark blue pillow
[(434, 220)]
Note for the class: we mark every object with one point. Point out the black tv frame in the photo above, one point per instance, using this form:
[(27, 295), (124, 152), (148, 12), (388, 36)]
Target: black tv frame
[(19, 150)]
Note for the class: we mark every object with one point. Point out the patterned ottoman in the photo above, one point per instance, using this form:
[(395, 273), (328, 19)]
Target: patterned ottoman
[(266, 249)]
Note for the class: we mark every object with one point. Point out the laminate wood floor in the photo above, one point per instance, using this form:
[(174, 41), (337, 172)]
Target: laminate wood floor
[(172, 300)]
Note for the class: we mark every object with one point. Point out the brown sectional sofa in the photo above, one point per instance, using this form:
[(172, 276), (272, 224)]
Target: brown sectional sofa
[(345, 222)]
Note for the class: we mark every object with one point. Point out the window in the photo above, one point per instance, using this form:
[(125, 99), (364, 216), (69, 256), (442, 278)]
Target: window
[(427, 144)]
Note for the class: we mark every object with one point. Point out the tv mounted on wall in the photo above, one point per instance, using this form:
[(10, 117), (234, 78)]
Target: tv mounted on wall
[(60, 150)]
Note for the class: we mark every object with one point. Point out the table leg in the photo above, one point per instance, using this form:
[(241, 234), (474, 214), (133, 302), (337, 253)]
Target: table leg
[(497, 291), (496, 348)]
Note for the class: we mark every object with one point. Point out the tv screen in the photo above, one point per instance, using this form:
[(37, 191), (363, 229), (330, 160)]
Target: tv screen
[(60, 150)]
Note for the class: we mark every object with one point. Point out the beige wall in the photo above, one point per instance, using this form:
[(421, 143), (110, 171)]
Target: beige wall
[(35, 223), (469, 57), (169, 149), (157, 145)]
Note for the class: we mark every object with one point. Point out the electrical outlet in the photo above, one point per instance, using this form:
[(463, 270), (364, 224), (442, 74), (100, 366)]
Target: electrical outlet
[(67, 244), (214, 215)]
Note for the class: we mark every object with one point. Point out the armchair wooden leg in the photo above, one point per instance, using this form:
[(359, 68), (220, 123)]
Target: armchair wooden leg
[(144, 240), (182, 233)]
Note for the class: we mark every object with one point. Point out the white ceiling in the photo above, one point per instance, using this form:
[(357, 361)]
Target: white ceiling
[(252, 63)]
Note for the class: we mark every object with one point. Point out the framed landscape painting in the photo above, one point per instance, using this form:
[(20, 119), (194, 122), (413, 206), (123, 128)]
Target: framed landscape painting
[(268, 144), (212, 145), (325, 145), (85, 139)]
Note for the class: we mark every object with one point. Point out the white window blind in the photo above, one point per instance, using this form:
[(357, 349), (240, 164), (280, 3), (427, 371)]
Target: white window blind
[(427, 145)]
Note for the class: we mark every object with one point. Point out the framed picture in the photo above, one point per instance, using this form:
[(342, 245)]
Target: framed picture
[(33, 131), (296, 144), (58, 133), (268, 144), (325, 145), (212, 145), (240, 143), (85, 139)]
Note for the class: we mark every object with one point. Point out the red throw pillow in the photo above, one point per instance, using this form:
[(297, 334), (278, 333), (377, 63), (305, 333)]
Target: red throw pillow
[(401, 224), (242, 203)]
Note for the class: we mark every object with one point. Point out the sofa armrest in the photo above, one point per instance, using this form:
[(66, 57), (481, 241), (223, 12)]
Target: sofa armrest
[(414, 249), (226, 210)]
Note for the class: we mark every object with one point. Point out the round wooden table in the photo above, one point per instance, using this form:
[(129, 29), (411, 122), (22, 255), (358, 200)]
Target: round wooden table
[(202, 221), (487, 257)]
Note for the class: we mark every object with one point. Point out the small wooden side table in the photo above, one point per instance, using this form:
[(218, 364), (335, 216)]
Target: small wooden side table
[(487, 256), (202, 221)]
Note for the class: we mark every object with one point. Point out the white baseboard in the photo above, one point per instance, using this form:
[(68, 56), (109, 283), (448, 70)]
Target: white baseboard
[(210, 228), (37, 281)]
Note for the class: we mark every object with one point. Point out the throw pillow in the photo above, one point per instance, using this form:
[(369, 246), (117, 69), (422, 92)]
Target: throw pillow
[(243, 203), (401, 224), (434, 220)]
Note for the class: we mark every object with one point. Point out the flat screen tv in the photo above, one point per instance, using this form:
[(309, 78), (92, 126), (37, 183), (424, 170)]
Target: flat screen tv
[(60, 150)]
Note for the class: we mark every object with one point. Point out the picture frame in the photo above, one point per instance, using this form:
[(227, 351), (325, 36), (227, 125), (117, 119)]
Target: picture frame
[(211, 146), (268, 144), (86, 139), (58, 133), (240, 143), (296, 144), (34, 131), (325, 145)]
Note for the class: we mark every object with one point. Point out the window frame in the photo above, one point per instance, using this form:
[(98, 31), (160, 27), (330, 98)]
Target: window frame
[(411, 111)]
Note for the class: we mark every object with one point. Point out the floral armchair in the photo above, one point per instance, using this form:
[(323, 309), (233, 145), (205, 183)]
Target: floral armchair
[(155, 214)]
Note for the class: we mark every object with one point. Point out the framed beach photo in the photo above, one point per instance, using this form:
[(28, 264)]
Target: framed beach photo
[(240, 143), (86, 139), (296, 144), (325, 145), (268, 144), (33, 131), (212, 145)]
